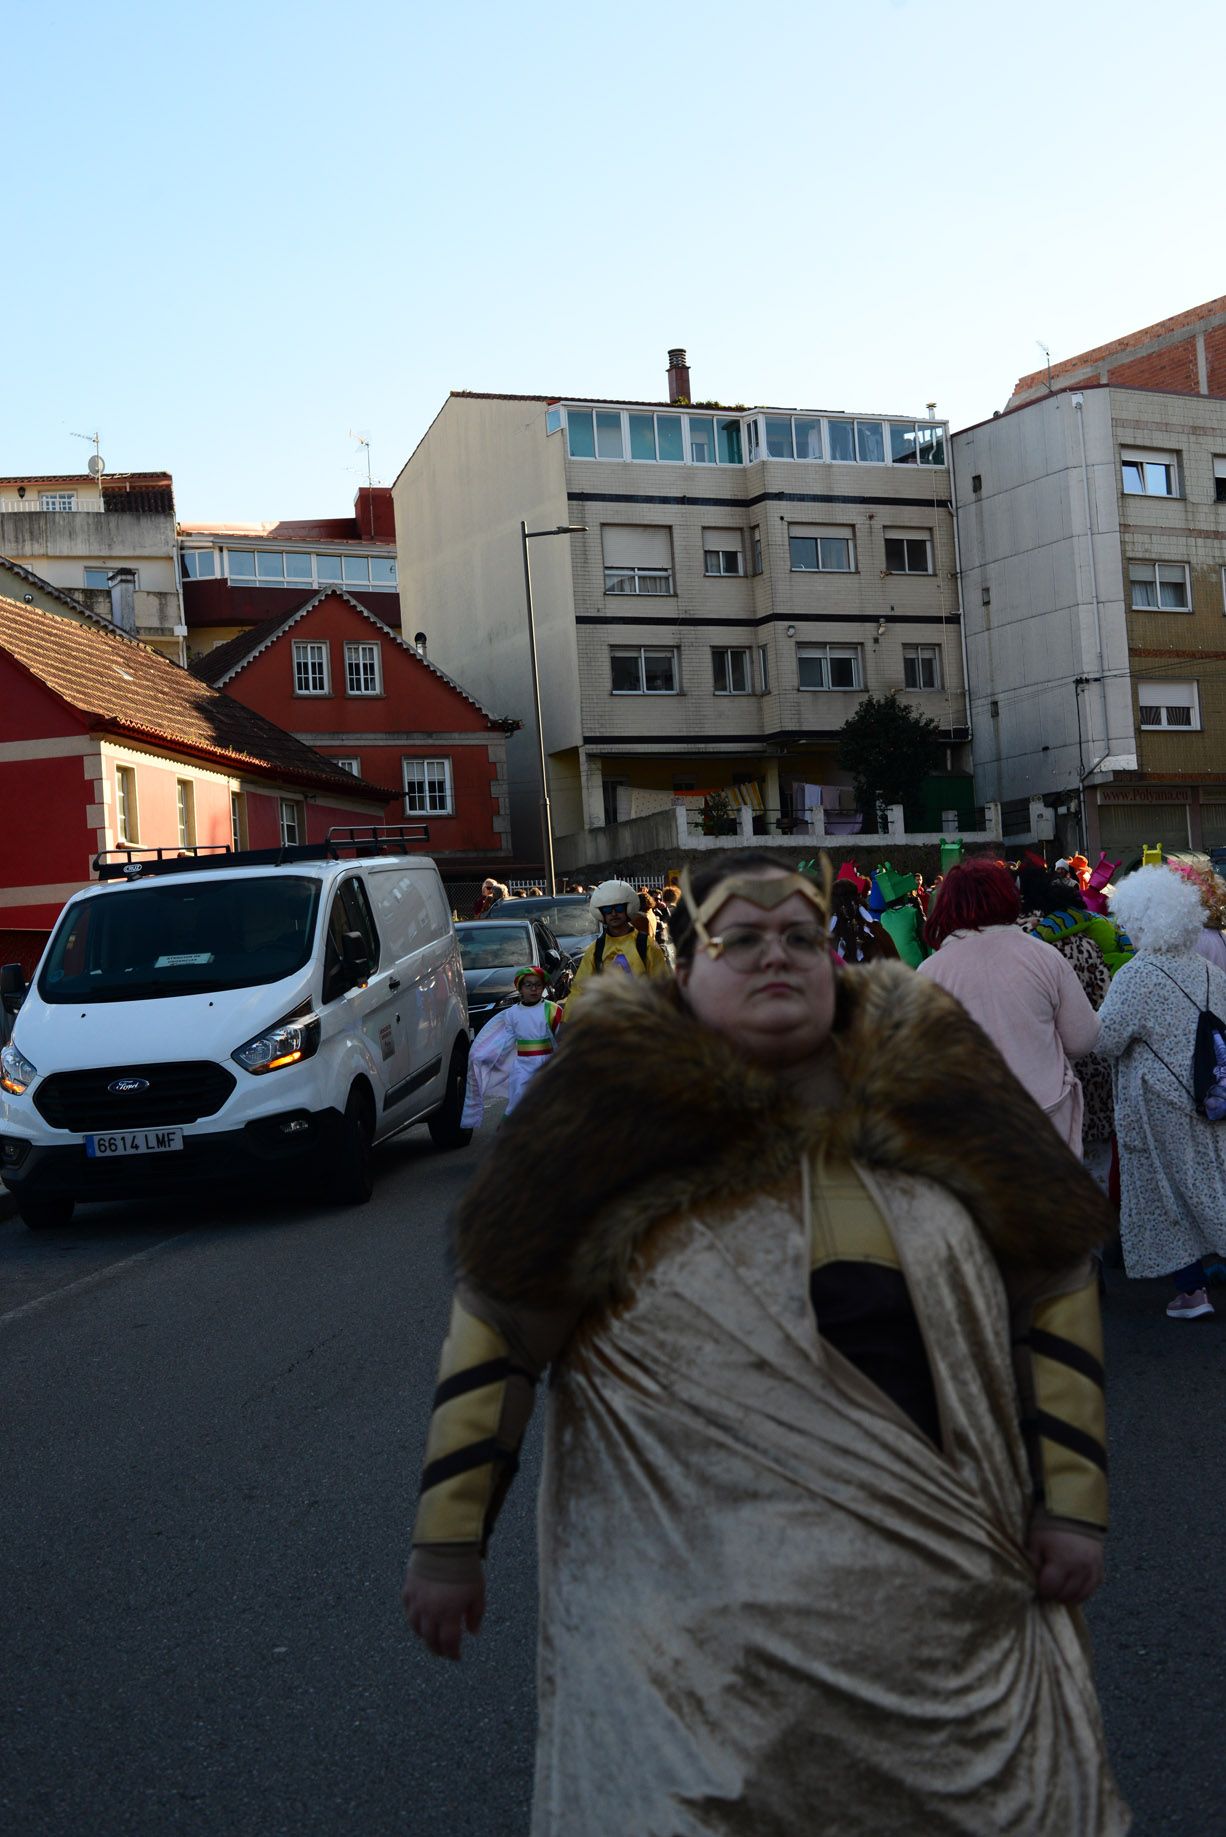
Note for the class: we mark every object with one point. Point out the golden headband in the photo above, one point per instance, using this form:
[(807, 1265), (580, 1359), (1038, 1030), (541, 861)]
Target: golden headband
[(763, 891)]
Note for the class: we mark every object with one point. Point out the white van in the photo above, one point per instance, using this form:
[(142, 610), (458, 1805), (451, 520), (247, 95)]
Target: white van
[(227, 1018)]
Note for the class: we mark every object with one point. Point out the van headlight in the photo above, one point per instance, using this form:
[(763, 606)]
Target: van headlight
[(16, 1072), (286, 1042)]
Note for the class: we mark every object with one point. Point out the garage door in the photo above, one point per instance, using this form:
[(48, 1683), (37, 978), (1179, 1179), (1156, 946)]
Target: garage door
[(1125, 828)]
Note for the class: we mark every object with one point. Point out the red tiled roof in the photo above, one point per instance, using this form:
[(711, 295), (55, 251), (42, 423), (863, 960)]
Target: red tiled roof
[(332, 530), (118, 686), (140, 480), (45, 586)]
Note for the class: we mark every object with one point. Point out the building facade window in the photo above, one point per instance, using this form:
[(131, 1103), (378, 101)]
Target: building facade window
[(292, 826), (908, 551), (100, 578), (830, 666), (640, 671), (638, 558), (199, 564), (185, 802), (764, 672), (238, 820), (1219, 478), (427, 787), (293, 568), (57, 500), (363, 670), (350, 764), (921, 666), (755, 547), (816, 548), (730, 671), (723, 551), (712, 439), (1169, 704), (1159, 586), (312, 671), (127, 822), (1149, 474)]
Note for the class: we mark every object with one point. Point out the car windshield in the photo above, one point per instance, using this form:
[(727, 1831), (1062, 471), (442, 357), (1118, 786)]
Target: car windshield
[(181, 938), (566, 918), (494, 947)]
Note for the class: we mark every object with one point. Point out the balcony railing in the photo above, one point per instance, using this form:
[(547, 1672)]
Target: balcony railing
[(638, 580), (9, 505)]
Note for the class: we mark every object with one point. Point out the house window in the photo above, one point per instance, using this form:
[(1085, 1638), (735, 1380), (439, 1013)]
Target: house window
[(755, 545), (240, 564), (830, 666), (127, 825), (643, 672), (382, 571), (355, 570), (764, 674), (57, 500), (350, 764), (723, 551), (1169, 704), (1146, 474), (856, 442), (238, 820), (921, 666), (311, 672), (292, 825), (1159, 586), (299, 567), (427, 787), (327, 568), (816, 548), (908, 551), (363, 675), (638, 558), (730, 669), (199, 564), (1219, 479), (185, 799)]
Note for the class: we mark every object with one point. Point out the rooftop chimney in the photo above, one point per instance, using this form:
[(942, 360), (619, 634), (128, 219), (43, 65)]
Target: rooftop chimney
[(678, 377), (122, 582)]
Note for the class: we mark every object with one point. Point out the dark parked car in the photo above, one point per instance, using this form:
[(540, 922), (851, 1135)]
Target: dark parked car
[(492, 949), (568, 916)]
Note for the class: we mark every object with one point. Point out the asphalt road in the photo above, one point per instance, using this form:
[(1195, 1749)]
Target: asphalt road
[(211, 1429)]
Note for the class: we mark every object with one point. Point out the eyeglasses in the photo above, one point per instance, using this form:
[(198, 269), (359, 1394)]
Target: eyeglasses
[(744, 947), (608, 911)]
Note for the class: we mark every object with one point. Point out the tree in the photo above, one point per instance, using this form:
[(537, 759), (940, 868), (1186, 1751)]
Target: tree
[(888, 748)]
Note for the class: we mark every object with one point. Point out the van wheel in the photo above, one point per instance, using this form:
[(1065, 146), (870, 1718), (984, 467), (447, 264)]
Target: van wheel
[(44, 1214), (444, 1125), (351, 1179)]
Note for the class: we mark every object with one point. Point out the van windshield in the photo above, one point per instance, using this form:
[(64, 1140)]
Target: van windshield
[(181, 939)]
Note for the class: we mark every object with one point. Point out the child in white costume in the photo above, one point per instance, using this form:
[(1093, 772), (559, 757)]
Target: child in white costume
[(512, 1047)]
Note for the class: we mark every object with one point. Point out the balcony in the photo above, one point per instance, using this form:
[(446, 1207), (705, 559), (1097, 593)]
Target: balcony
[(653, 581), (17, 506)]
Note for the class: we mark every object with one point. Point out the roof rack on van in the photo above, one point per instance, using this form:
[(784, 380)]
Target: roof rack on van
[(359, 840)]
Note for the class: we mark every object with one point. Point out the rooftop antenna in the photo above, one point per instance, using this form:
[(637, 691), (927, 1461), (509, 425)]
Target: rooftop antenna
[(363, 440), (96, 465), (1047, 354)]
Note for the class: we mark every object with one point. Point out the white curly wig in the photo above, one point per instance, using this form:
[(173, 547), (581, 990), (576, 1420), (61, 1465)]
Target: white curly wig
[(1159, 910)]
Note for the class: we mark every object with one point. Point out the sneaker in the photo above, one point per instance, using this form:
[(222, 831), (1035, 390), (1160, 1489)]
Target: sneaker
[(1190, 1307)]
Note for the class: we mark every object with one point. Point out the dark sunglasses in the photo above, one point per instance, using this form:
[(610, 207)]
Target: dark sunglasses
[(606, 911)]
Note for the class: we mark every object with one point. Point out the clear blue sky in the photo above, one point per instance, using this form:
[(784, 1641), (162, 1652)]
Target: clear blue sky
[(234, 232)]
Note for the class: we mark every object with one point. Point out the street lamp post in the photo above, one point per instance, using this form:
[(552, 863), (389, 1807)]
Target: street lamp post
[(526, 536)]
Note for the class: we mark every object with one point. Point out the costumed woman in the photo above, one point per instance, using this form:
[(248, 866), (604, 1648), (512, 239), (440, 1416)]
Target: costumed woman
[(815, 1514), (510, 1049)]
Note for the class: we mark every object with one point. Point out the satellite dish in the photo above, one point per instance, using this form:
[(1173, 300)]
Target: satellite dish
[(96, 465)]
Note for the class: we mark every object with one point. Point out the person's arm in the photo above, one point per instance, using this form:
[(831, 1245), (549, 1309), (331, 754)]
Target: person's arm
[(657, 963), (1076, 1022), (1058, 1360), (1117, 1017)]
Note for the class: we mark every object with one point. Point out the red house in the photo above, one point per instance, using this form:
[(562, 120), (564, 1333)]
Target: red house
[(104, 743), (340, 680)]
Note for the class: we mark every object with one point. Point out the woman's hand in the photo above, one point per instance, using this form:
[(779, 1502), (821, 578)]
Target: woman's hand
[(441, 1612), (1068, 1567)]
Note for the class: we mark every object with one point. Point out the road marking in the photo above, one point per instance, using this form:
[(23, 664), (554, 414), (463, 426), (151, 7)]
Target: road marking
[(91, 1281)]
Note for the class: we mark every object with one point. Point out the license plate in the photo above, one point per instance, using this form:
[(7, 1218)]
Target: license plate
[(133, 1142)]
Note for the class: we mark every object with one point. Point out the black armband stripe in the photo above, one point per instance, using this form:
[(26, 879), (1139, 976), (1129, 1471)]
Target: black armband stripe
[(473, 1379), (477, 1454), (1067, 1351), (1066, 1436)]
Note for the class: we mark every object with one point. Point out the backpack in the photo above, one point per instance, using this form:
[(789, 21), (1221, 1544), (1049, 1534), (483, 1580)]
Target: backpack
[(1208, 1091), (640, 944)]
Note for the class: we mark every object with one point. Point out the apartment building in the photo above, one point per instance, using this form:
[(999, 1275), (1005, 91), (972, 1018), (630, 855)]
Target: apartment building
[(107, 540), (240, 576), (1092, 526), (742, 577)]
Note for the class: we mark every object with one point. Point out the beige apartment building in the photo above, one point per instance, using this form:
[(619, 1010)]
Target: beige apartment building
[(742, 578)]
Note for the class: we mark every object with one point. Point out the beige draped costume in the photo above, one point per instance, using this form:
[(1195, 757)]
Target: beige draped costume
[(771, 1605)]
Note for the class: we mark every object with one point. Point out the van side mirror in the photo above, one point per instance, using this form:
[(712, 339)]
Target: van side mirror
[(356, 958), (12, 987)]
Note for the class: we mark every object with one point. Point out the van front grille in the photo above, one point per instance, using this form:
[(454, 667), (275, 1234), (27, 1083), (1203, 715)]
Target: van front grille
[(88, 1102)]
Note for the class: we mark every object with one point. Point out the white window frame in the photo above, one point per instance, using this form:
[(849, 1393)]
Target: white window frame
[(1155, 581), (824, 653), (825, 532), (726, 652), (1164, 708), (185, 809), (304, 661), (291, 813), (714, 561), (355, 657), (349, 763), (923, 536), (126, 805), (191, 560), (641, 651), (1219, 478), (917, 655), (764, 669), (927, 439), (320, 577), (238, 820), (1143, 458), (57, 500), (654, 582), (104, 585), (422, 778)]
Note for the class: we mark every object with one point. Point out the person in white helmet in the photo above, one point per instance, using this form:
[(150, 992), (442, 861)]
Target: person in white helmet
[(620, 947)]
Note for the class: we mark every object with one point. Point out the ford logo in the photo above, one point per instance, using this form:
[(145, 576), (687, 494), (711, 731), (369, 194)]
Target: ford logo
[(124, 1087)]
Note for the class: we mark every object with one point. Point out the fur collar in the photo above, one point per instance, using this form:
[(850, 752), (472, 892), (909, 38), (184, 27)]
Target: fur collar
[(644, 1112)]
